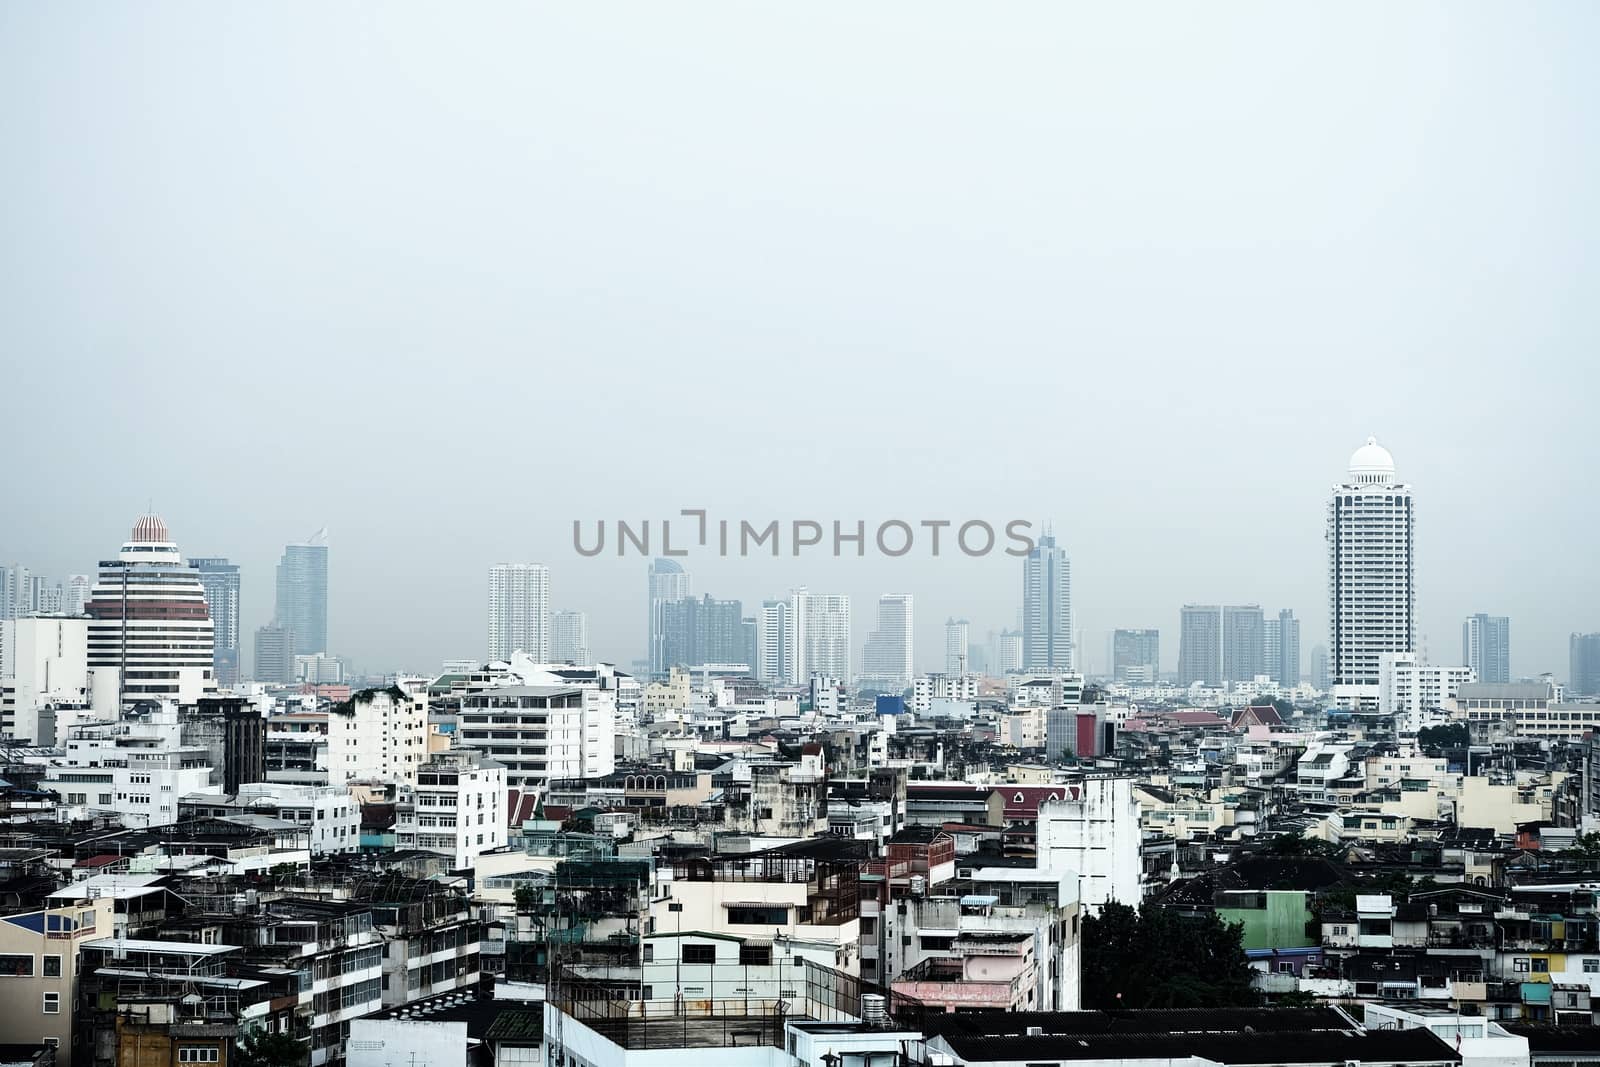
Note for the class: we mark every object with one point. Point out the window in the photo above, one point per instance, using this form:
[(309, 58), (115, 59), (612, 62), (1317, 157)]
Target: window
[(1520, 965), (197, 1054), (753, 916), (52, 1003), (16, 966), (52, 966), (1591, 966), (755, 955), (1284, 967), (1541, 965), (649, 956), (699, 953)]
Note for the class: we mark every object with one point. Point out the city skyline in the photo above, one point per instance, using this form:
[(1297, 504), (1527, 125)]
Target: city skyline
[(929, 662)]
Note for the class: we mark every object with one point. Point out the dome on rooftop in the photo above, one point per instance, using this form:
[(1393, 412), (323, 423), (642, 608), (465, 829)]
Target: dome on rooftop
[(148, 529), (1371, 464)]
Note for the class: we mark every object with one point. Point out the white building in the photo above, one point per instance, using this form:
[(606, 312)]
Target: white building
[(1371, 590), (820, 623), (150, 620), (955, 646), (774, 643), (47, 661), (928, 689), (540, 732), (519, 610), (1407, 689), (886, 659), (378, 735), (330, 815), (1047, 633), (569, 637), (457, 808), (135, 769), (319, 669), (1094, 831)]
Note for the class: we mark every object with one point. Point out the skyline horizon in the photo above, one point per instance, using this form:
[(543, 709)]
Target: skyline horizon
[(1091, 643)]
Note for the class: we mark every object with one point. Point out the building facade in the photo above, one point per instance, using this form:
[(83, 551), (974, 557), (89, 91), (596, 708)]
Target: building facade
[(1136, 656), (457, 807), (1047, 608), (1371, 574), (1200, 644), (149, 619), (519, 610), (302, 604), (569, 638), (1583, 677), (220, 580), (820, 623), (956, 646), (668, 582), (274, 658), (886, 658), (1486, 647)]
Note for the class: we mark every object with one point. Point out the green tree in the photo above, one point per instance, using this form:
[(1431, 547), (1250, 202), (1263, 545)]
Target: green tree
[(258, 1048), (526, 897), (1156, 958)]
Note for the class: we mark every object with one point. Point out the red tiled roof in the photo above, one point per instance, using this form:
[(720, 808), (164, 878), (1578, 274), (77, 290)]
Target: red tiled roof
[(520, 806), (1022, 801)]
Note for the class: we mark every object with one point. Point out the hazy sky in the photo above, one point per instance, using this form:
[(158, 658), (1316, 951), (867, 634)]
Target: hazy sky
[(445, 277)]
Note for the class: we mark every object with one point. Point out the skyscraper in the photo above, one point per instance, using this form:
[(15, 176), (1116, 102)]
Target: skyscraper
[(220, 580), (667, 582), (1047, 608), (956, 659), (1200, 644), (519, 610), (1136, 655), (774, 643), (1583, 678), (1319, 668), (820, 623), (149, 619), (696, 632), (302, 606), (1008, 652), (886, 659), (1486, 647), (274, 659), (1371, 576), (1243, 647), (569, 638), (1283, 657)]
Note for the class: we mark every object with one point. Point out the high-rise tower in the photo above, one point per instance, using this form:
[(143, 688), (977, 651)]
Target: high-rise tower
[(220, 579), (669, 582), (886, 659), (519, 610), (149, 619), (1486, 647), (302, 606), (1371, 574), (956, 647), (1047, 608)]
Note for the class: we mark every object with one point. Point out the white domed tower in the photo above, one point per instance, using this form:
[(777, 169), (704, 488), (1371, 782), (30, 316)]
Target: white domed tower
[(1371, 579), (149, 619)]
